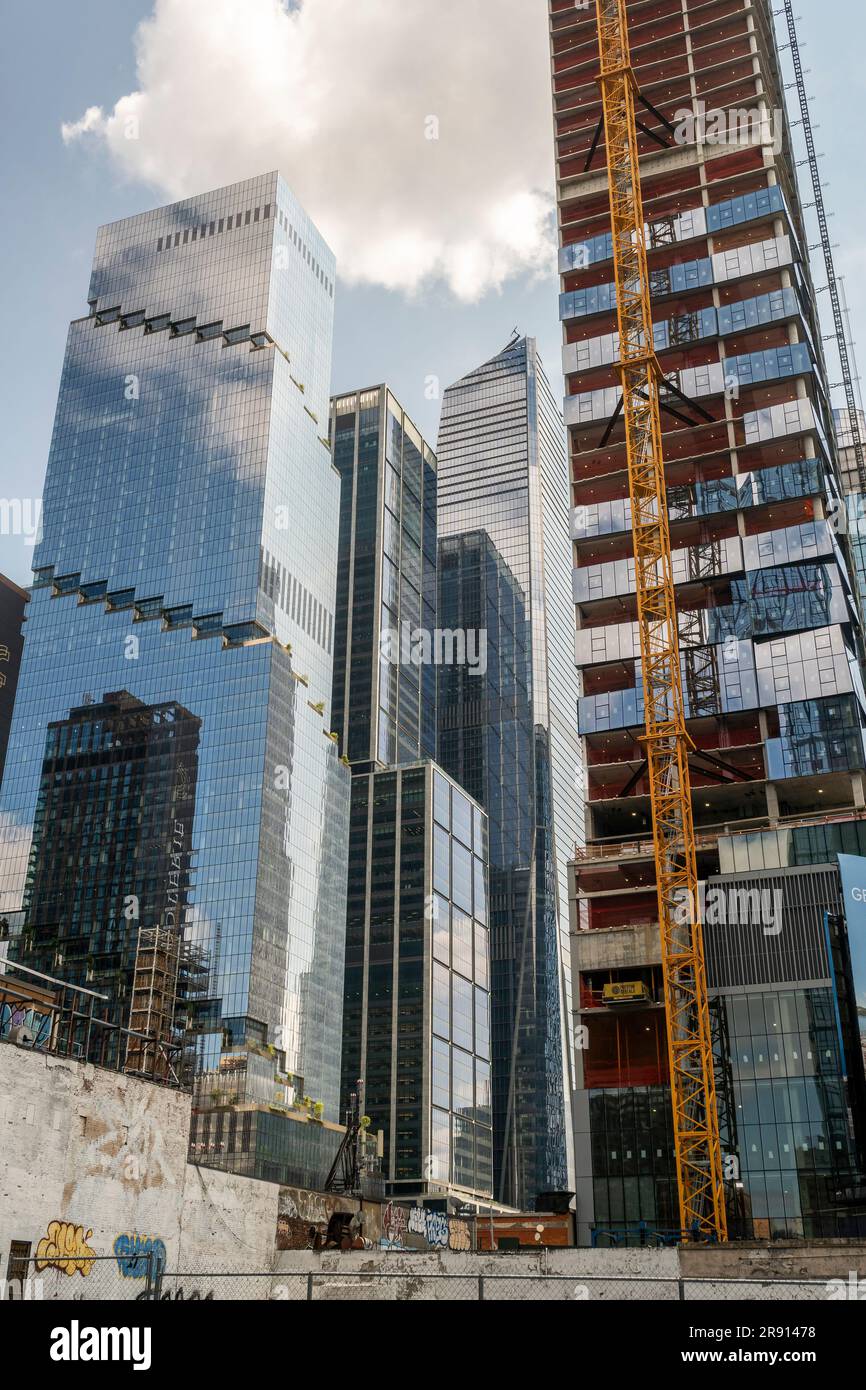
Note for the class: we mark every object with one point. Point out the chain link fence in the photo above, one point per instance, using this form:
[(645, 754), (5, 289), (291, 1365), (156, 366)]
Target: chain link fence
[(71, 1273), (384, 1286), (75, 1275)]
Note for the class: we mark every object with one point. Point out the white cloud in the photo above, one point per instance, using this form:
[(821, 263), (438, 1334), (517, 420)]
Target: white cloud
[(92, 120), (337, 94)]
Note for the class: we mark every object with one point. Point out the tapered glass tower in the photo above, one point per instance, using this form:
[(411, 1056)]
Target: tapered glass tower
[(510, 735)]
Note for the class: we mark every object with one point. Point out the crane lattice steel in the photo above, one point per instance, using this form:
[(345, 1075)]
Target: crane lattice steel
[(695, 1119)]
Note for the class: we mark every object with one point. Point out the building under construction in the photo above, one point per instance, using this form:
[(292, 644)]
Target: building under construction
[(767, 613)]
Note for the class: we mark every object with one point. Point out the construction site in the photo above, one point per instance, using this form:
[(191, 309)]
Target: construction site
[(719, 639), (707, 1088)]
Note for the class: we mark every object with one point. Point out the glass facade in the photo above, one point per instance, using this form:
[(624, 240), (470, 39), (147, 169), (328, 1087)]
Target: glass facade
[(384, 693), (510, 735), (416, 1026), (777, 969), (411, 882), (633, 1163), (188, 558), (116, 800), (793, 1131), (13, 602)]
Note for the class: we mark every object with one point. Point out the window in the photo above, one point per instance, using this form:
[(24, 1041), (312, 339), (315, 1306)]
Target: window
[(461, 942), (441, 846), (18, 1263), (463, 1081), (480, 890), (462, 1016), (441, 1010), (441, 1079), (441, 800), (462, 817), (440, 1144), (461, 890), (441, 929), (482, 968)]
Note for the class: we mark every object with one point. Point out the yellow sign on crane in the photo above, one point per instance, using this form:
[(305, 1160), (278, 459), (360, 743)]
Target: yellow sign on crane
[(693, 1097)]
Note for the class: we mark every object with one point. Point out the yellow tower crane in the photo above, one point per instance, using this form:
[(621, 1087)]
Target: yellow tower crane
[(693, 1097)]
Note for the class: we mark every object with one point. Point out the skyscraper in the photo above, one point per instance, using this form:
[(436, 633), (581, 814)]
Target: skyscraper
[(13, 601), (112, 836), (188, 557), (852, 486), (768, 623), (504, 552), (416, 1029), (384, 703)]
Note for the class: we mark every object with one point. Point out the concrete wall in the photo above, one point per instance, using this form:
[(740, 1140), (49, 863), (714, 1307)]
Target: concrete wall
[(616, 948), (88, 1156), (805, 1274)]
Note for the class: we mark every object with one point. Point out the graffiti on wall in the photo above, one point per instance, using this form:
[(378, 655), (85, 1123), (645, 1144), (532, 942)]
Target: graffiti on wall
[(440, 1231), (23, 1015), (299, 1211), (178, 1295), (135, 1252), (394, 1225), (64, 1247), (432, 1225), (458, 1235)]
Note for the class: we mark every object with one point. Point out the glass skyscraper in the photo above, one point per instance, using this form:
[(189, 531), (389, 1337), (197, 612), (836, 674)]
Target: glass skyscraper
[(384, 702), (417, 1009), (505, 563), (13, 601), (416, 1028), (116, 801), (189, 555)]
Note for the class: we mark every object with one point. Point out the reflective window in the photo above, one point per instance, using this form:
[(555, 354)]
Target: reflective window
[(462, 814), (461, 867), (441, 849)]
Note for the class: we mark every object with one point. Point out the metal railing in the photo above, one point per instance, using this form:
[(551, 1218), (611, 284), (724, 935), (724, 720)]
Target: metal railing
[(59, 1019)]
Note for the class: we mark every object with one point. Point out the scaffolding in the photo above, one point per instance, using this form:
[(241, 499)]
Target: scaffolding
[(154, 1002)]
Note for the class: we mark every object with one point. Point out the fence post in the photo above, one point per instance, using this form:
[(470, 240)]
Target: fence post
[(481, 1288), (681, 1286), (310, 1287)]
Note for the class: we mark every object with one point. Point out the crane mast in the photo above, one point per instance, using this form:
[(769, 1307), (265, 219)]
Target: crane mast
[(667, 743)]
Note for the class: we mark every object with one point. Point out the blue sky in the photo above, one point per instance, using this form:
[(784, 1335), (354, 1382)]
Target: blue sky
[(60, 59)]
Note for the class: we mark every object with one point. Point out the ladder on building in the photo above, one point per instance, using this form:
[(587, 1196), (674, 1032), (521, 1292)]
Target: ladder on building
[(826, 245), (690, 1049)]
